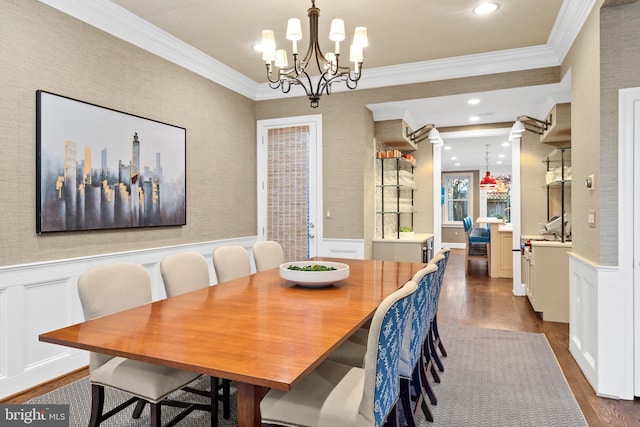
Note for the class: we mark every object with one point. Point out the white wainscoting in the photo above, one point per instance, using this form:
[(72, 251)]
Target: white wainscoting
[(40, 297), (600, 336)]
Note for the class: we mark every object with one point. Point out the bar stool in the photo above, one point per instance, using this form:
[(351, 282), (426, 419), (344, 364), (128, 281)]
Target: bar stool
[(478, 244)]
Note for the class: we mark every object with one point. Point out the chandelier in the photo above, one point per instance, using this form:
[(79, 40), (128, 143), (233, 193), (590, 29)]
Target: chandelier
[(329, 67)]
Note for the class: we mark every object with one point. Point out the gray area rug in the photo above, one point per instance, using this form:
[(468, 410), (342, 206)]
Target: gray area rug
[(492, 378)]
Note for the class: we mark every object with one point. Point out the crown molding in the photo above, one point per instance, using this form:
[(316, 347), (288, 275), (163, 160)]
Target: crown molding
[(441, 69), (571, 18), (119, 22)]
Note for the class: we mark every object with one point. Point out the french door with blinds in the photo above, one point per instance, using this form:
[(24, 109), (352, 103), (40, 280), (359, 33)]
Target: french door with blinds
[(289, 179)]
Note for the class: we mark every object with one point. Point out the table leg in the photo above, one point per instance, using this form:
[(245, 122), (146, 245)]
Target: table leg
[(249, 397)]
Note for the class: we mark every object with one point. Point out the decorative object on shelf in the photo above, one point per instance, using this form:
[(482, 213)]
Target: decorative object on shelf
[(427, 131), (329, 65), (488, 182), (406, 233)]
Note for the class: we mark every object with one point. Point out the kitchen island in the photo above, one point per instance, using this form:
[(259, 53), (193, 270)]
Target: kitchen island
[(418, 248), (501, 246)]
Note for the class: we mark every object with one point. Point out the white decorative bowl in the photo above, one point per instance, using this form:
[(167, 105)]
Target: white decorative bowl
[(313, 279)]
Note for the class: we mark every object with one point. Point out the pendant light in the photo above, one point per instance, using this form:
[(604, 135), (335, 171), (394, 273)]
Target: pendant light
[(488, 182)]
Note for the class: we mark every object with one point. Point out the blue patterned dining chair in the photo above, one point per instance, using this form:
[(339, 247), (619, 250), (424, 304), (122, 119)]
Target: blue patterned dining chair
[(411, 369), (335, 394), (442, 268), (440, 261)]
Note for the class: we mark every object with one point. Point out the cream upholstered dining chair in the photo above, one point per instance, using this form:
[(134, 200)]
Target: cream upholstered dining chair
[(231, 262), (109, 289), (335, 394), (268, 254), (185, 272)]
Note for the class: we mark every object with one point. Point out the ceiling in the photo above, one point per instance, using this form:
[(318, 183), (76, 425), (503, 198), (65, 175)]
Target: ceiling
[(400, 31), (411, 40)]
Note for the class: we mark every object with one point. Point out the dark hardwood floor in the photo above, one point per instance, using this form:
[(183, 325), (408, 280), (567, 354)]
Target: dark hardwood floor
[(477, 300)]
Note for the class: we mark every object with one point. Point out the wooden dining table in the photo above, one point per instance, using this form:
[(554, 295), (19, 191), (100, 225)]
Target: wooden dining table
[(260, 331)]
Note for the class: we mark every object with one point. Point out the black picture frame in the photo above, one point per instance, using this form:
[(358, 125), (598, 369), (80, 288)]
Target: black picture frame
[(99, 168)]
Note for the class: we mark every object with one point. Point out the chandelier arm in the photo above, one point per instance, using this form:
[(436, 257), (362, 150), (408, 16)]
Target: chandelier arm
[(285, 86), (270, 77), (324, 85)]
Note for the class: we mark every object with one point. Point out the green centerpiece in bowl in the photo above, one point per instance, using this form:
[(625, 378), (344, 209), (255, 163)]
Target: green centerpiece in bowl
[(314, 273)]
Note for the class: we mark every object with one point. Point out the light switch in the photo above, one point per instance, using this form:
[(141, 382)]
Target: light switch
[(591, 218), (590, 182)]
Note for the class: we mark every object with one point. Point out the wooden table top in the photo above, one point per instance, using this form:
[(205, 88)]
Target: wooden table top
[(259, 329)]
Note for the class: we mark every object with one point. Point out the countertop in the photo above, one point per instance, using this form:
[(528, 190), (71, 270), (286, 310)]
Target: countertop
[(550, 243), (489, 220)]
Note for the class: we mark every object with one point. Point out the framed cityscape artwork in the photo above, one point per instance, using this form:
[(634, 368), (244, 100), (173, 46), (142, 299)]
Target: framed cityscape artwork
[(99, 168)]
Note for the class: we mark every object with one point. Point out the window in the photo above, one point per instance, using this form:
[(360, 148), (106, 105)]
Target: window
[(458, 202)]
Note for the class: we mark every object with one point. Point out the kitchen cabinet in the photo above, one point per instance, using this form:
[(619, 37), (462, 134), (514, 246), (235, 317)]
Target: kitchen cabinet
[(545, 276)]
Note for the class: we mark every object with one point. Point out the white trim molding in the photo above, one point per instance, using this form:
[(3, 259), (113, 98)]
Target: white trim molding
[(628, 301), (119, 22), (41, 297), (599, 331)]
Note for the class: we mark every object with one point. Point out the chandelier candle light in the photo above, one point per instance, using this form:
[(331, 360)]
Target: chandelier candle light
[(328, 65)]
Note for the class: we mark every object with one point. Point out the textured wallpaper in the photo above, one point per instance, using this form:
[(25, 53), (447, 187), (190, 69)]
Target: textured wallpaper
[(42, 48)]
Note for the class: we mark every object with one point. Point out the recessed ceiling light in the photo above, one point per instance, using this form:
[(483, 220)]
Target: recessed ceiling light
[(485, 8), (454, 158), (501, 155), (499, 162), (506, 144), (456, 164), (474, 118), (447, 147), (473, 101)]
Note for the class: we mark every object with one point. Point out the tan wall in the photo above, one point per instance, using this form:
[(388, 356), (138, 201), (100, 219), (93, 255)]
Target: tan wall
[(583, 61), (46, 49), (346, 140), (620, 62)]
